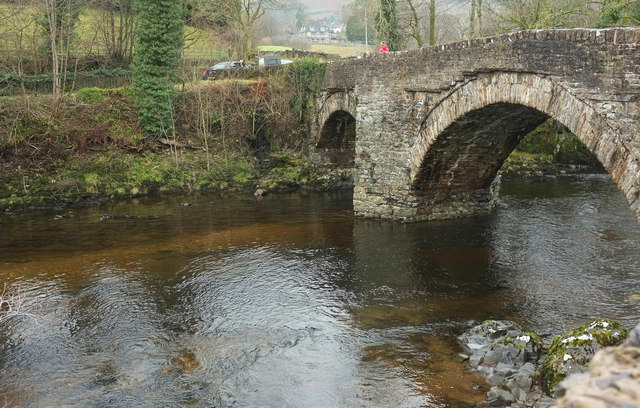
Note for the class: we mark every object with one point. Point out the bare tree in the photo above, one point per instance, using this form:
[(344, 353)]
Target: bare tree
[(59, 20), (472, 20), (536, 14), (478, 26), (432, 22), (244, 16), (116, 27), (17, 36), (360, 21), (414, 26), (475, 19), (429, 22), (51, 14)]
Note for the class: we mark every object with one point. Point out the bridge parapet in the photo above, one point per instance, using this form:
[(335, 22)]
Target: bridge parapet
[(433, 126)]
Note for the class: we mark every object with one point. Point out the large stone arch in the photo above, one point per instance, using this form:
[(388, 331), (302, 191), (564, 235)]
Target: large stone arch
[(453, 164)]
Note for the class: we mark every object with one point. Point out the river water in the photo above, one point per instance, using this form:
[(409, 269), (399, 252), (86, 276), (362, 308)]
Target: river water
[(288, 301)]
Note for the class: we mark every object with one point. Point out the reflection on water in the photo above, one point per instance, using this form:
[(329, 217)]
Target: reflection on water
[(288, 301)]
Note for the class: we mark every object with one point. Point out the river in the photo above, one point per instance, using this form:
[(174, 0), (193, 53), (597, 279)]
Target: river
[(288, 301)]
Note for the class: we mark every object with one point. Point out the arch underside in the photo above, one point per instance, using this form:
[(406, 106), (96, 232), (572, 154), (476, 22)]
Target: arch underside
[(337, 141), (462, 163)]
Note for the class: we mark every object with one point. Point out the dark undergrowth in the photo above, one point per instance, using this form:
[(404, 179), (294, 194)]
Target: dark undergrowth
[(232, 135)]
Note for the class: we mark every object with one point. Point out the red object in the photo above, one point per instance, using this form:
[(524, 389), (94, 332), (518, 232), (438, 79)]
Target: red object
[(383, 48)]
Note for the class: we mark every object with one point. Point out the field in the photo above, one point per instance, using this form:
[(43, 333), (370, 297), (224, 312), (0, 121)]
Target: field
[(273, 48), (342, 50)]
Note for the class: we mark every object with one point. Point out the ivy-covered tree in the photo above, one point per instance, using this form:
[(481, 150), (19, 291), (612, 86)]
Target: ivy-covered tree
[(300, 19), (387, 27), (159, 40), (619, 13)]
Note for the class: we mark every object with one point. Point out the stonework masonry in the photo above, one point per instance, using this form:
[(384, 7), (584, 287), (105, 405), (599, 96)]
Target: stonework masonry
[(427, 130)]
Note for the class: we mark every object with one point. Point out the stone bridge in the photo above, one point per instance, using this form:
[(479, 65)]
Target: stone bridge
[(426, 131)]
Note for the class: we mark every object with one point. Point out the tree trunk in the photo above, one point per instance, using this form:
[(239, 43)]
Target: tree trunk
[(52, 17), (432, 22), (415, 24), (472, 20), (479, 15)]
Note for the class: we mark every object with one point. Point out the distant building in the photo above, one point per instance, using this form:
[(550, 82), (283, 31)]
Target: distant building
[(318, 32)]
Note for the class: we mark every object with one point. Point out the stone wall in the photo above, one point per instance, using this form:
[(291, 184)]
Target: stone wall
[(296, 53), (434, 125)]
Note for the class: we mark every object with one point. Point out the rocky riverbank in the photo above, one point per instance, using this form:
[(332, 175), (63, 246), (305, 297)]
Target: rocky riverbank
[(102, 174), (524, 370), (227, 136)]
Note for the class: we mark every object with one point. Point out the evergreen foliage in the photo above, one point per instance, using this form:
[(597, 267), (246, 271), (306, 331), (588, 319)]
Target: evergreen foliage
[(304, 77), (619, 13), (300, 19), (160, 36), (387, 26)]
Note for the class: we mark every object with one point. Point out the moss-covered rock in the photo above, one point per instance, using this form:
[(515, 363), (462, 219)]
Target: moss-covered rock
[(572, 352), (290, 173)]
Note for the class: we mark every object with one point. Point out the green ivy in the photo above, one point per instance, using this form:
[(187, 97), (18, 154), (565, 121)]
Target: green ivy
[(618, 13), (304, 76), (160, 37)]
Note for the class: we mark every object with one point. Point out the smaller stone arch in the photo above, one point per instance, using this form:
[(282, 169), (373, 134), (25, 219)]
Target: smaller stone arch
[(335, 143), (338, 132), (336, 146)]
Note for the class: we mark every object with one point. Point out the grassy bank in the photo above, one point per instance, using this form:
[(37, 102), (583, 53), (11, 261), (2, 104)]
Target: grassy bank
[(231, 135), (110, 173)]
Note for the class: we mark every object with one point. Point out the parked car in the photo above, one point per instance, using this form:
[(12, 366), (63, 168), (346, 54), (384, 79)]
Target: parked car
[(214, 71)]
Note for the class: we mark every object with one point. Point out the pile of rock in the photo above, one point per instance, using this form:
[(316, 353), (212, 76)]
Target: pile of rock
[(507, 356)]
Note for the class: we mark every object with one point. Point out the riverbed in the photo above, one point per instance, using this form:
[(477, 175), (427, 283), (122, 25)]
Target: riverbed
[(289, 301)]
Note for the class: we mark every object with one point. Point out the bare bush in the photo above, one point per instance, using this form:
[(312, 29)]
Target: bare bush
[(238, 116)]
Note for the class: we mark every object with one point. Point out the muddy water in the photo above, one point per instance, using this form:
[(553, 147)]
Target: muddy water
[(289, 301)]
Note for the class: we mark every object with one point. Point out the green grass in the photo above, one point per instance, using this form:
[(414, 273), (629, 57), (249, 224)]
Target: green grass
[(342, 50), (202, 45), (273, 48)]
